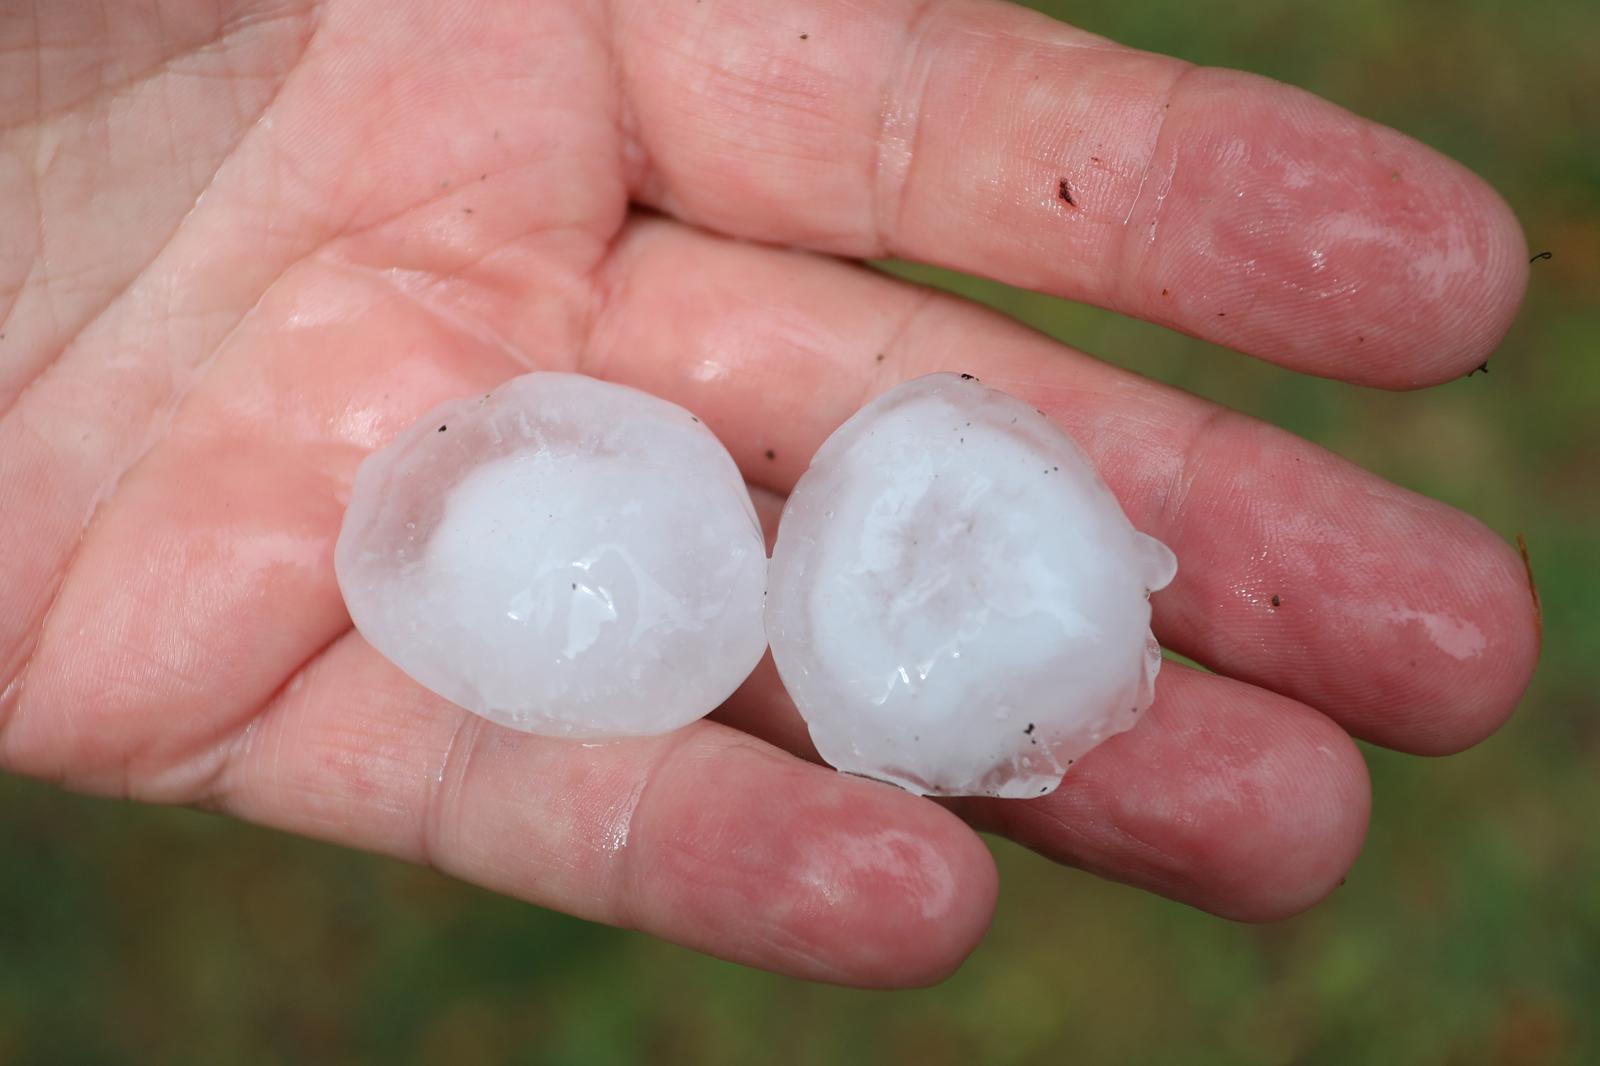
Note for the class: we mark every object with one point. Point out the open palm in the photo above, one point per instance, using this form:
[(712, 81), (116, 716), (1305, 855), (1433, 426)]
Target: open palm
[(243, 243)]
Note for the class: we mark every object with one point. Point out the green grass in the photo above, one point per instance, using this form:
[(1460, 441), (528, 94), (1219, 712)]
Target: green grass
[(1469, 931)]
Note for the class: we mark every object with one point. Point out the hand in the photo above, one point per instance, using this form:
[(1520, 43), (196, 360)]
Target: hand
[(242, 244)]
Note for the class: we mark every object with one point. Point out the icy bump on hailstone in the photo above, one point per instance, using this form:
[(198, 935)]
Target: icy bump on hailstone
[(957, 603), (563, 556)]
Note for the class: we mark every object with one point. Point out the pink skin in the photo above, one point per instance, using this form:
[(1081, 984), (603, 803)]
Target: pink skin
[(243, 244)]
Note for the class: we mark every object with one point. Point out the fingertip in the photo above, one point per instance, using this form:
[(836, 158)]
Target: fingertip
[(1468, 279), (1274, 821), (897, 898), (1312, 813), (1283, 225), (1504, 280), (919, 938), (1476, 662), (796, 868)]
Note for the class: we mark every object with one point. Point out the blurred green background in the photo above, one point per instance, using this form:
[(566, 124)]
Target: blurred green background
[(1469, 932)]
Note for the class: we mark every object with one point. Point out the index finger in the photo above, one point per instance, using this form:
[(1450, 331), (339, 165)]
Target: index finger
[(976, 135)]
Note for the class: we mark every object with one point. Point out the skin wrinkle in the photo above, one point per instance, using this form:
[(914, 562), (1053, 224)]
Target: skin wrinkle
[(220, 41), (631, 880), (291, 693), (47, 281), (784, 86), (607, 287), (349, 234), (645, 183), (32, 173), (223, 755), (618, 829), (474, 326), (235, 748), (633, 163), (1130, 248), (17, 672), (441, 806), (1172, 512), (899, 127), (917, 309)]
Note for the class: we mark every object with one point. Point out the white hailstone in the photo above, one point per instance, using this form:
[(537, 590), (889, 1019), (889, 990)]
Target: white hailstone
[(563, 556), (958, 604)]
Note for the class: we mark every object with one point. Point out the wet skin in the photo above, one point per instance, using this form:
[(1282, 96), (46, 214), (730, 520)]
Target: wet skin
[(242, 244)]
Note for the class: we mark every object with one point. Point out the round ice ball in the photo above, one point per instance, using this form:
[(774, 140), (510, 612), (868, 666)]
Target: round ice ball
[(958, 604), (563, 556)]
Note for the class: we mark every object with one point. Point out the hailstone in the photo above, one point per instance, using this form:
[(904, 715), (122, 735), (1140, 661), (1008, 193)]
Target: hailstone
[(958, 604), (563, 556)]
